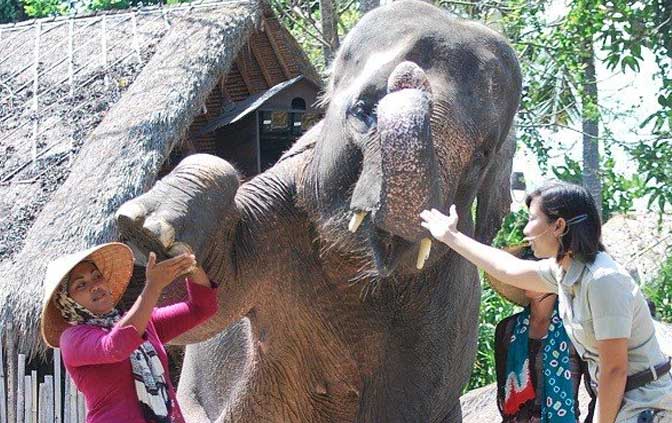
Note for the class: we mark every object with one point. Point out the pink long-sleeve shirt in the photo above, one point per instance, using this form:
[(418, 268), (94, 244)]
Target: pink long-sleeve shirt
[(98, 360)]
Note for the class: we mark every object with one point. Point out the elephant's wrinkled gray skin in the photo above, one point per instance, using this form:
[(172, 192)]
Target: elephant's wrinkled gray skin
[(320, 324)]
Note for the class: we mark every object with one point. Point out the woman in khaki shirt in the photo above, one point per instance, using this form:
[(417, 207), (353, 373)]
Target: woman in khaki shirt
[(604, 312)]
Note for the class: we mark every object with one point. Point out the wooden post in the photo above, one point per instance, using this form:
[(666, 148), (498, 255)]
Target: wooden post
[(71, 56), (28, 402), (81, 408), (71, 74), (36, 87), (256, 116), (66, 401), (11, 374), (33, 396), (43, 403), (20, 388), (3, 398), (34, 138), (136, 45), (276, 49), (254, 39), (73, 401), (243, 74), (164, 16), (48, 404), (58, 415), (103, 35)]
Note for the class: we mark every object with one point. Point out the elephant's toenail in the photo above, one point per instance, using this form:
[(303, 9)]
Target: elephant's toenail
[(133, 211), (161, 230)]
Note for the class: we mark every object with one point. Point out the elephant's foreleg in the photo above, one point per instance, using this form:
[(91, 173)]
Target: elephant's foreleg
[(215, 374)]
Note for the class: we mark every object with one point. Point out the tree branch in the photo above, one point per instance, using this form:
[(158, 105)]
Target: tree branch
[(345, 9), (284, 13)]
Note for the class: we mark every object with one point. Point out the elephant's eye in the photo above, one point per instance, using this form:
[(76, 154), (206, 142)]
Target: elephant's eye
[(363, 112)]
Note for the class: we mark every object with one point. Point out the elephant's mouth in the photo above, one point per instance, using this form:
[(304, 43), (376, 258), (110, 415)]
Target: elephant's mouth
[(390, 250), (399, 177), (387, 251)]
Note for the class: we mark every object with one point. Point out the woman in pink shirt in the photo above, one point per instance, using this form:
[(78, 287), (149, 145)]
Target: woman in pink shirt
[(118, 361)]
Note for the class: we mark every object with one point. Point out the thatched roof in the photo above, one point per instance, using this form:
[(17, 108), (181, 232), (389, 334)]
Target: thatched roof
[(105, 145)]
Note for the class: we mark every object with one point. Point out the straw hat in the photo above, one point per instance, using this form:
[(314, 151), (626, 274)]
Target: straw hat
[(510, 292), (115, 263)]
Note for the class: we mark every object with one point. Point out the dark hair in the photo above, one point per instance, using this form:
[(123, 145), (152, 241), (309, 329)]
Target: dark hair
[(583, 234)]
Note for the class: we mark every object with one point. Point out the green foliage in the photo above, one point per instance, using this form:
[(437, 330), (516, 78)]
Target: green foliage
[(109, 4), (552, 56), (511, 232), (618, 192), (646, 26), (494, 307), (11, 11), (43, 8), (655, 166), (660, 291), (302, 18), (125, 4)]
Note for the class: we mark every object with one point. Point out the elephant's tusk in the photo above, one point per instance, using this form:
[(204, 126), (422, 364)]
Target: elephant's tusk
[(423, 252), (356, 220)]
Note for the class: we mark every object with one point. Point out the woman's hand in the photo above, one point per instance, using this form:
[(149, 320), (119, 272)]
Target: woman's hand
[(198, 276), (442, 227), (162, 274)]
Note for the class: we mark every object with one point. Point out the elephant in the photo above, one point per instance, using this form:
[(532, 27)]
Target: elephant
[(334, 305)]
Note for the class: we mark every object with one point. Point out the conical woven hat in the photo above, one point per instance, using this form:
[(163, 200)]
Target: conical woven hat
[(510, 292), (113, 260)]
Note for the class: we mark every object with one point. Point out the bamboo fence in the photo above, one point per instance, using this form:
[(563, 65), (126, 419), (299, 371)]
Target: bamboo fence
[(40, 398)]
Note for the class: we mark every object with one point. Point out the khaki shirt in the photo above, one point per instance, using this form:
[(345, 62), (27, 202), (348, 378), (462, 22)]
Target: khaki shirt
[(599, 301)]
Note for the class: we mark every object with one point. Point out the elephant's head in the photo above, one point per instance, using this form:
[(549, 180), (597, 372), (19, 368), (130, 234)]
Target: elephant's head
[(418, 110), (419, 105)]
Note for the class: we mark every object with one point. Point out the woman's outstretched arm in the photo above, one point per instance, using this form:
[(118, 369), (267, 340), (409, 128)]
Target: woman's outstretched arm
[(500, 264)]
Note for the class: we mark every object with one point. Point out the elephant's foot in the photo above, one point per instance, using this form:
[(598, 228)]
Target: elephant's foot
[(153, 234), (191, 204)]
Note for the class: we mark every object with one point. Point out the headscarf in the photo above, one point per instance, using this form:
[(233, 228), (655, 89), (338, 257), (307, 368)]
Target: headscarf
[(557, 404), (146, 367)]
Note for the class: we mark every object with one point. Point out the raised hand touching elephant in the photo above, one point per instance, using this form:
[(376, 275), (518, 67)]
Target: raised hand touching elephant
[(328, 310)]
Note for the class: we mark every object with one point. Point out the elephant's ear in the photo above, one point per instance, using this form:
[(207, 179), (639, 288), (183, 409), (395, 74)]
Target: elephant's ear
[(494, 195)]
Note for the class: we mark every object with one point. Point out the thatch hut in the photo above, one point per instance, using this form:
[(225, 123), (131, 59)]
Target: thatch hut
[(94, 108)]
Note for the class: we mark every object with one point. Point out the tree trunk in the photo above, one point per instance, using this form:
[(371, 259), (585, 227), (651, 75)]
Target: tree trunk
[(368, 5), (329, 29), (590, 117)]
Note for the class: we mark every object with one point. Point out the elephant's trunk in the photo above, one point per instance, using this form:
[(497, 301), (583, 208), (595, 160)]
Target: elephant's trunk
[(188, 209), (401, 175)]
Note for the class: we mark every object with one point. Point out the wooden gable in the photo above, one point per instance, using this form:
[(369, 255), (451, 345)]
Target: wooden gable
[(270, 56)]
